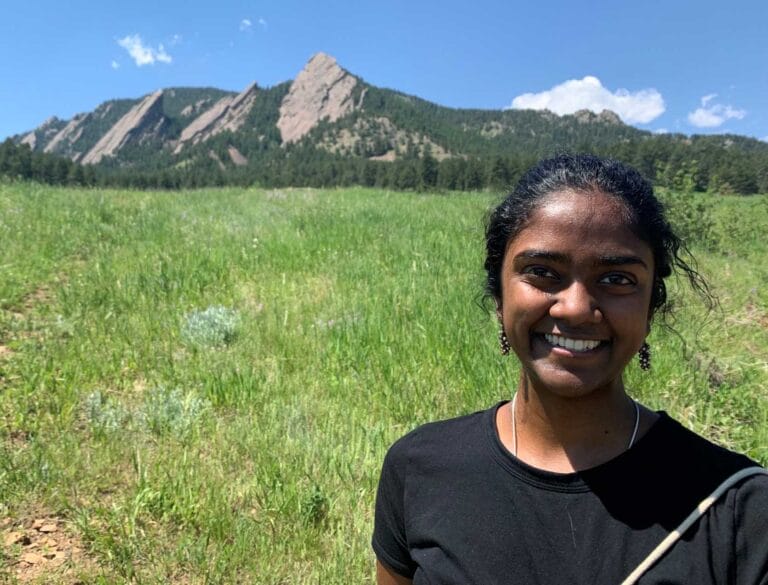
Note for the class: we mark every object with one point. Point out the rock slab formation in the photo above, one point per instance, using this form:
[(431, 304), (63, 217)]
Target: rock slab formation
[(142, 122), (236, 156), (47, 129), (229, 113), (322, 91), (67, 135)]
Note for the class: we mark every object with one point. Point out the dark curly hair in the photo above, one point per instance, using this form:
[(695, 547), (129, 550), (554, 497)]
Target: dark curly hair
[(588, 173)]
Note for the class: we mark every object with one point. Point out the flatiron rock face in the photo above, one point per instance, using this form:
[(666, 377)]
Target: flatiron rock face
[(142, 122), (47, 129), (67, 136), (228, 113), (322, 91), (30, 140)]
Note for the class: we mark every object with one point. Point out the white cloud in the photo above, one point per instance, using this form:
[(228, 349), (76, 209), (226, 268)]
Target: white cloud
[(588, 93), (162, 56), (263, 22), (245, 24), (712, 116), (143, 54), (175, 40), (115, 64)]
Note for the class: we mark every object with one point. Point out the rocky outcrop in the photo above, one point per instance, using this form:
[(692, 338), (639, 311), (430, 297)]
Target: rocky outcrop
[(609, 117), (236, 157), (322, 91), (196, 108), (584, 116), (30, 140), (196, 129), (37, 138), (213, 156), (590, 117), (67, 136), (229, 113), (103, 110), (143, 122)]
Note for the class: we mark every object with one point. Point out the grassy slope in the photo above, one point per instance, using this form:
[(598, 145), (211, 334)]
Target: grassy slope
[(358, 320)]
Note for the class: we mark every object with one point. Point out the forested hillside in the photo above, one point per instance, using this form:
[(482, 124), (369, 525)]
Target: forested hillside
[(331, 128)]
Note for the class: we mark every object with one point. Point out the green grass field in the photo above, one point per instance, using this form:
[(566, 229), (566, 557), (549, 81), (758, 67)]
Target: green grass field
[(199, 387)]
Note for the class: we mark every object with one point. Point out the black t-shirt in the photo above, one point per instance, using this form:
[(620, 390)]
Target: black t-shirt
[(454, 506)]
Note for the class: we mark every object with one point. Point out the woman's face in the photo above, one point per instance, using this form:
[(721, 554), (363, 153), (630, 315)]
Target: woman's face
[(576, 291)]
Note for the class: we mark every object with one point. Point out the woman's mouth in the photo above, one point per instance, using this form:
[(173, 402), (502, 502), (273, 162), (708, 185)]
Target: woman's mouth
[(571, 344)]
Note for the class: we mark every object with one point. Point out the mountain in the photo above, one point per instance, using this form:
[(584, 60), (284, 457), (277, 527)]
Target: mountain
[(328, 126)]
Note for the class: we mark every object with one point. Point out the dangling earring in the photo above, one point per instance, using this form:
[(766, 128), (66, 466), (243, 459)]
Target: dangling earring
[(503, 342), (645, 356)]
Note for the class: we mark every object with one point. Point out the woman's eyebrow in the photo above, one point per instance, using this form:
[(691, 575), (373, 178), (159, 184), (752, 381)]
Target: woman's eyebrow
[(559, 257), (544, 255)]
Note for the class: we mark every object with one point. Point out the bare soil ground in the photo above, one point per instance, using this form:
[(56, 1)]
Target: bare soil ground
[(39, 547)]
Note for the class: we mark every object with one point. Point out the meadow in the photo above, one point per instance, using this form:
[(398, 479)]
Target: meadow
[(200, 386)]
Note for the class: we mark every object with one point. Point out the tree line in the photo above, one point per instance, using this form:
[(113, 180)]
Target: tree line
[(702, 169)]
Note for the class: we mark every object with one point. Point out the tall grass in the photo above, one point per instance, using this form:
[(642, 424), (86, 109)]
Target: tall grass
[(347, 318)]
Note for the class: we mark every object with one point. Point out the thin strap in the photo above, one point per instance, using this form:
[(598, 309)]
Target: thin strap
[(675, 535)]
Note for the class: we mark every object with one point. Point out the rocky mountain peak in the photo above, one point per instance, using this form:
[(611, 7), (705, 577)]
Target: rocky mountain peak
[(229, 113), (142, 122), (321, 91), (49, 122)]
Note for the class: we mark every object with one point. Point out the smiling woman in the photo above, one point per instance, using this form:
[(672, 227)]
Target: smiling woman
[(576, 291), (571, 480)]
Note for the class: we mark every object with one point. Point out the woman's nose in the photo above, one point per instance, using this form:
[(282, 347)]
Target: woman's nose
[(575, 304)]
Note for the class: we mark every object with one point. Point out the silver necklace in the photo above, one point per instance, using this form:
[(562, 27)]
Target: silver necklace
[(631, 439)]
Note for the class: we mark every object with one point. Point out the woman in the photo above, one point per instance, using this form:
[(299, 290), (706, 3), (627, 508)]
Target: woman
[(571, 481)]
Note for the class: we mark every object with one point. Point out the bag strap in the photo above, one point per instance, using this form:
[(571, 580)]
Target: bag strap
[(675, 535)]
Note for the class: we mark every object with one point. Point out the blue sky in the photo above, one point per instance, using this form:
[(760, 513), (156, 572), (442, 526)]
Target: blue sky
[(676, 66)]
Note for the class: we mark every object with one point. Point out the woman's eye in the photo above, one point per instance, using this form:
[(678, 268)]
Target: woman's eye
[(616, 279), (539, 272)]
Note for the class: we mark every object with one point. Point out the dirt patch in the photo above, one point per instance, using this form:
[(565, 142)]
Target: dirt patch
[(752, 314), (756, 314), (42, 295), (18, 439), (5, 352), (41, 548)]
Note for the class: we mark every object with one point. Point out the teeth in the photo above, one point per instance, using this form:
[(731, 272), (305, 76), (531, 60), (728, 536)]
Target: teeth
[(572, 344)]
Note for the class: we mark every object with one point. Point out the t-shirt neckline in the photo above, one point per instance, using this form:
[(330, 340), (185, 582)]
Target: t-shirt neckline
[(575, 481)]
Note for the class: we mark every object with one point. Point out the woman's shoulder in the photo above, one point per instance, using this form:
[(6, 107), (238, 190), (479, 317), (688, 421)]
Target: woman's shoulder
[(678, 446), (679, 467), (444, 438)]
